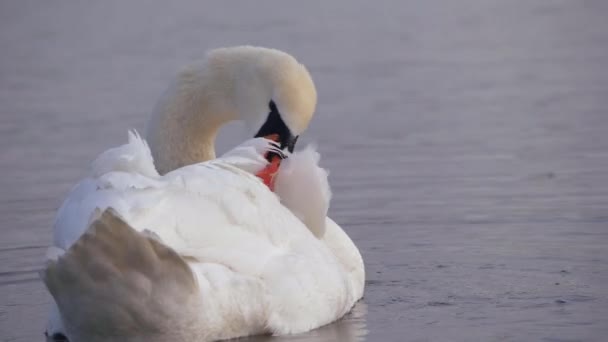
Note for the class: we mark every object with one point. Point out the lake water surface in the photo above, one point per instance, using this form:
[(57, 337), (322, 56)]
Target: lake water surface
[(467, 143)]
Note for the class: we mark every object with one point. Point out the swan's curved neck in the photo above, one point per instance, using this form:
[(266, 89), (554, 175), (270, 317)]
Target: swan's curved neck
[(185, 123)]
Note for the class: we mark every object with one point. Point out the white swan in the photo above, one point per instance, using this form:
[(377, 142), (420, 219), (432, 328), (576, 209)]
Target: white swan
[(204, 250)]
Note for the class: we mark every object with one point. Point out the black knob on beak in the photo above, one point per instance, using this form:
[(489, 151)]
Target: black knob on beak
[(276, 128)]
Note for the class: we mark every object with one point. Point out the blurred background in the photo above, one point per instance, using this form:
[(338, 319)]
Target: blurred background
[(467, 143)]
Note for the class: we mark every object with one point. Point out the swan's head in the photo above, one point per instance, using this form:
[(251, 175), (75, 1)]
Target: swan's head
[(271, 91), (267, 89)]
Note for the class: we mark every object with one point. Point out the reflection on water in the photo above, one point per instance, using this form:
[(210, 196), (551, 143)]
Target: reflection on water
[(466, 142), (350, 329)]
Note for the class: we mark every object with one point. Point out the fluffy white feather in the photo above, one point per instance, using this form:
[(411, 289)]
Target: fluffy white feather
[(135, 156), (303, 187)]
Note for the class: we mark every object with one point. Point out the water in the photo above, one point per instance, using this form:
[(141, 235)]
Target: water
[(467, 143)]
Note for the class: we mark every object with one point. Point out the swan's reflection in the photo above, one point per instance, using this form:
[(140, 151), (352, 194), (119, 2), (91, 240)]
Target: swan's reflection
[(351, 328)]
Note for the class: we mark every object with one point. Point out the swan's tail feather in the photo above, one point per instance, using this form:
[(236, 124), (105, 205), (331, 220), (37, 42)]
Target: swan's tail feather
[(115, 282), (132, 157)]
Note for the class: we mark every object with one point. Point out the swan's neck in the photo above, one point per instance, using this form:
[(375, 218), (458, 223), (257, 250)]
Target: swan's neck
[(185, 123)]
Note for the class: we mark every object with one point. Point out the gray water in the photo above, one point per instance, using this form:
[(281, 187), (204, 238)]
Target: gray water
[(467, 143)]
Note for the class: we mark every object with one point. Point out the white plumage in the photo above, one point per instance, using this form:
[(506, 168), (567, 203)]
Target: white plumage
[(203, 252)]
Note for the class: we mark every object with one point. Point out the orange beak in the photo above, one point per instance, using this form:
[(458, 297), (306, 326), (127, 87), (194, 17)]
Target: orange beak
[(275, 129), (268, 173)]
